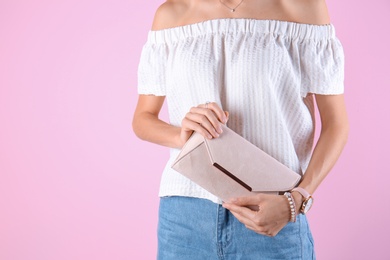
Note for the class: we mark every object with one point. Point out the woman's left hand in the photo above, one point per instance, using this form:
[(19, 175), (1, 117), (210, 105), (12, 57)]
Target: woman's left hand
[(272, 216)]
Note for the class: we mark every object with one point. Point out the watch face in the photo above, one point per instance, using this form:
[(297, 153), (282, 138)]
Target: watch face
[(307, 205)]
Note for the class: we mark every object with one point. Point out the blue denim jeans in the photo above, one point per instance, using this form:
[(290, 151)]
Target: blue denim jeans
[(192, 228)]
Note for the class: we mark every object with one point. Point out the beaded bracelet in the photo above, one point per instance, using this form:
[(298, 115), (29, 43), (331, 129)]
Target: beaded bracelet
[(291, 203)]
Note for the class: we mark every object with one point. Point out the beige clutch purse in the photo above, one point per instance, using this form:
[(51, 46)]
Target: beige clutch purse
[(230, 166)]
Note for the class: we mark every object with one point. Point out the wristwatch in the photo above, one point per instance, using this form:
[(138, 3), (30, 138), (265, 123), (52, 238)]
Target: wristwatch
[(307, 203)]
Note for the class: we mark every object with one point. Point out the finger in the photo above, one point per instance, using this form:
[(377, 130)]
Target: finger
[(204, 122), (252, 200), (243, 211), (189, 125), (208, 115), (247, 222), (258, 230), (217, 110), (250, 222)]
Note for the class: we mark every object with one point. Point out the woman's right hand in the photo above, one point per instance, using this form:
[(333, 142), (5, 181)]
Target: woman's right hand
[(205, 119)]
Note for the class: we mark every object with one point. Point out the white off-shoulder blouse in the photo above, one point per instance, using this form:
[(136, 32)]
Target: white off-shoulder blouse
[(262, 71)]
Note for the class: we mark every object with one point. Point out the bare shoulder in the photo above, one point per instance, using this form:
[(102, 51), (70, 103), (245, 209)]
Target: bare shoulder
[(311, 11), (169, 14)]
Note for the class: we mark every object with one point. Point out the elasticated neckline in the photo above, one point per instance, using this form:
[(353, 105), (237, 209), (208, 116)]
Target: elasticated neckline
[(243, 25)]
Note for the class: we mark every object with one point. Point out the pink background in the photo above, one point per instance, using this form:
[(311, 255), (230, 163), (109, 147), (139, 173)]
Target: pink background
[(75, 182)]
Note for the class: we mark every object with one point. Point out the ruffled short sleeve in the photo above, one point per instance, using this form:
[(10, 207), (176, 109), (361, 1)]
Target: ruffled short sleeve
[(322, 66), (151, 69)]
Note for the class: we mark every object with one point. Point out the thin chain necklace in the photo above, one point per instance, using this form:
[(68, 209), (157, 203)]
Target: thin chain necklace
[(232, 9)]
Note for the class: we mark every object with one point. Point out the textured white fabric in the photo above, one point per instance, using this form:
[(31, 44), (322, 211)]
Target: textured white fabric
[(262, 71)]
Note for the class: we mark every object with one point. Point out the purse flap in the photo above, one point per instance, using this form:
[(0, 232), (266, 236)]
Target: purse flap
[(192, 143), (248, 165)]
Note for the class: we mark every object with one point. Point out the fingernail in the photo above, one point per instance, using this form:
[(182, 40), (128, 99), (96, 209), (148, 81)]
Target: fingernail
[(209, 136), (220, 130)]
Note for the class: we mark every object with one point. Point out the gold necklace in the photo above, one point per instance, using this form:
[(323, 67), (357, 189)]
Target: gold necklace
[(232, 9)]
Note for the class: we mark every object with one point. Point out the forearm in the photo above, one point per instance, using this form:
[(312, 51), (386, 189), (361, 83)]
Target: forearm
[(149, 127), (325, 155)]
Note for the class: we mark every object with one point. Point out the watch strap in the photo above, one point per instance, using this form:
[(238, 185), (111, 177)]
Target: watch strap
[(302, 191)]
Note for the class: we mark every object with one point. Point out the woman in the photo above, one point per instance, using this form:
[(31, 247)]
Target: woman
[(256, 65)]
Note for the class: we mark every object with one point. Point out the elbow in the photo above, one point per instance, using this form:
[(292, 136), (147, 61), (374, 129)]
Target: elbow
[(339, 130), (344, 131), (344, 128), (135, 124), (142, 124)]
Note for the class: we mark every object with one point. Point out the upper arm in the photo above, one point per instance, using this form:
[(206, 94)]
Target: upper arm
[(147, 105), (150, 104), (311, 11), (164, 17), (168, 14), (332, 110)]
